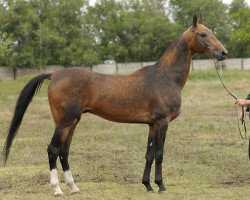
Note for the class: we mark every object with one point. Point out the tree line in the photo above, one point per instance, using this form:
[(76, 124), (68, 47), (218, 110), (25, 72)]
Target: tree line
[(37, 33)]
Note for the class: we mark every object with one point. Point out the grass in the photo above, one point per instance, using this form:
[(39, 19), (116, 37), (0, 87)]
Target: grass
[(204, 155)]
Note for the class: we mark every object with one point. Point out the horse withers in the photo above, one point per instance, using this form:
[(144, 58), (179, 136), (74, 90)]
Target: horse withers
[(151, 95)]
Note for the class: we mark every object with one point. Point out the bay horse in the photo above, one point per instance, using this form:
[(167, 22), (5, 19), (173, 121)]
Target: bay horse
[(151, 95)]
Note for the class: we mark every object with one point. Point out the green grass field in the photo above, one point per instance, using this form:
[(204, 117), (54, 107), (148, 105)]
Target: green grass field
[(204, 159)]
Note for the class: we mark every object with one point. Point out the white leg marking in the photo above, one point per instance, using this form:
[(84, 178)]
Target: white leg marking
[(70, 182), (55, 182)]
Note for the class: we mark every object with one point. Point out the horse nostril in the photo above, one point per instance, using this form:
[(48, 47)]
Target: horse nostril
[(224, 52)]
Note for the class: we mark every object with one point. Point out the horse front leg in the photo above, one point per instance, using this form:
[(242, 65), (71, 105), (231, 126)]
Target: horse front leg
[(159, 138), (150, 155)]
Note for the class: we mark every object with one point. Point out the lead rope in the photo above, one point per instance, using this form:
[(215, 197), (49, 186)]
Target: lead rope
[(243, 111)]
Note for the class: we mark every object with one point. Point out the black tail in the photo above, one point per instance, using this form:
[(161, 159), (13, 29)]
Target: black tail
[(22, 104), (249, 149)]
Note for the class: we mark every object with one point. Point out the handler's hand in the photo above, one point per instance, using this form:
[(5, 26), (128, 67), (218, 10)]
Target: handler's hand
[(241, 102)]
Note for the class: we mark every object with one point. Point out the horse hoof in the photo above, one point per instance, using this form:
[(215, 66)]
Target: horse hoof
[(149, 188), (74, 191), (162, 191), (58, 194)]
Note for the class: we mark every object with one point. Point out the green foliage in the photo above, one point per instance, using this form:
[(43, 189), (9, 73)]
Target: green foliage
[(47, 33), (240, 38), (19, 20), (211, 11), (131, 31), (69, 33), (5, 45)]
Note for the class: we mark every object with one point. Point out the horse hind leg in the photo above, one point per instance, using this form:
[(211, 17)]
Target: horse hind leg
[(63, 155), (64, 124), (53, 153)]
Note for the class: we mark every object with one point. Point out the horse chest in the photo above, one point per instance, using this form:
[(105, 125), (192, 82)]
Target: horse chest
[(167, 106)]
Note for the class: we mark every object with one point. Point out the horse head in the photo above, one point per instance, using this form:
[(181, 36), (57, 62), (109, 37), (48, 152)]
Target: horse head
[(203, 41)]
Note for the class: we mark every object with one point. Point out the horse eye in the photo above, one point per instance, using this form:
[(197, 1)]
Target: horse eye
[(203, 34)]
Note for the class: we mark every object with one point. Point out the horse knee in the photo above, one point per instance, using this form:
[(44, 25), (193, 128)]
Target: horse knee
[(149, 159), (158, 156)]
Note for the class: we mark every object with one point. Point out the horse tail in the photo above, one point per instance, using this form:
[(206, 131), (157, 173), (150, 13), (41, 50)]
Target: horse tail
[(249, 149), (22, 104)]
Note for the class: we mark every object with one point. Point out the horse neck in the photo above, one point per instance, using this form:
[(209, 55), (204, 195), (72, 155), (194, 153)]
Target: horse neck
[(175, 62)]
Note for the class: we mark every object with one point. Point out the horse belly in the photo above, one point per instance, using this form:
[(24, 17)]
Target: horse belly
[(119, 112)]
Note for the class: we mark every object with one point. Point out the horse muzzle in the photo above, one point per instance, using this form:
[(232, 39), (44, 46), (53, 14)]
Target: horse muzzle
[(220, 54)]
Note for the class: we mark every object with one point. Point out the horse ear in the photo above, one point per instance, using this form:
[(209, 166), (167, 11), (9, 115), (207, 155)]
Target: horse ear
[(195, 20), (200, 19)]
